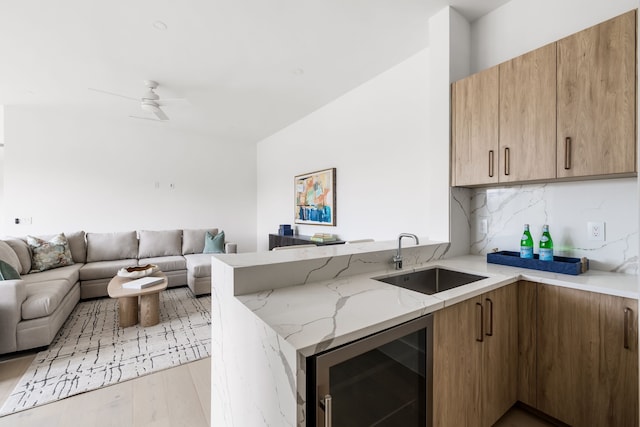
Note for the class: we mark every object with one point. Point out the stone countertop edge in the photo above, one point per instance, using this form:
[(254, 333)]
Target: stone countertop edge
[(326, 314)]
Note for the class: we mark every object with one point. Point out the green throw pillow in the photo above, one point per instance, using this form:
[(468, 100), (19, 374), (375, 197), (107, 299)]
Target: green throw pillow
[(214, 244), (7, 272)]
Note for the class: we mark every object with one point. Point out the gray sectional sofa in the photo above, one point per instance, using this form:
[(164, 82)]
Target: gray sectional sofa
[(34, 306)]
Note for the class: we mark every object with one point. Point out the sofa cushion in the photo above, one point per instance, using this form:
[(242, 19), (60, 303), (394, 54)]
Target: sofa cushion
[(214, 244), (77, 244), (199, 265), (44, 298), (70, 273), (8, 255), (48, 254), (193, 240), (7, 272), (159, 243), (112, 246), (166, 263), (23, 251), (104, 269)]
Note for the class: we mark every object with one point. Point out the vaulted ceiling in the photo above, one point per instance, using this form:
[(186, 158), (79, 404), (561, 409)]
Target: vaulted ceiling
[(244, 68)]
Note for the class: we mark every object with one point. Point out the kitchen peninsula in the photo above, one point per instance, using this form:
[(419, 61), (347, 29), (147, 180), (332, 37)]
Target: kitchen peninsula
[(273, 310)]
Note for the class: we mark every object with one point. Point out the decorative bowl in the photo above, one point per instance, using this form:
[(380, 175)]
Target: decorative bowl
[(137, 271)]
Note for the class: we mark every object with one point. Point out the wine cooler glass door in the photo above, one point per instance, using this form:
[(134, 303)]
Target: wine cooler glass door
[(381, 380)]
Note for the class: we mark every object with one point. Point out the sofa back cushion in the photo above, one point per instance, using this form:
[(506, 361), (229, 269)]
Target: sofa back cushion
[(21, 249), (111, 246), (159, 243), (193, 240), (9, 256)]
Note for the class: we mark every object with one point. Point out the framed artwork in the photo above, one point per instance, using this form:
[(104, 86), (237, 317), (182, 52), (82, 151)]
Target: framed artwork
[(315, 198)]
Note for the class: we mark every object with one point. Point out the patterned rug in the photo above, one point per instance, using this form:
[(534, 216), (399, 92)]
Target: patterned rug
[(92, 351)]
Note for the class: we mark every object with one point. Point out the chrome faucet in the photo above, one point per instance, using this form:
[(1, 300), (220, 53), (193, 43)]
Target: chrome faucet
[(397, 259)]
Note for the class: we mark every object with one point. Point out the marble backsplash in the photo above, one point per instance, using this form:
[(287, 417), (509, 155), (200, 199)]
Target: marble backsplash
[(496, 216)]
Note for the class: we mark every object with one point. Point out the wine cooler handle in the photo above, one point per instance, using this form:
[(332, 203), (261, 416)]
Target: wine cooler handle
[(490, 332), (480, 336), (490, 163), (325, 404), (627, 324), (507, 160), (567, 152)]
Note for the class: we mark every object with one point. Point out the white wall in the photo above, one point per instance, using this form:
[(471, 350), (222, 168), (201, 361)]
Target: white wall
[(516, 28), (523, 25), (72, 169), (2, 201), (377, 137)]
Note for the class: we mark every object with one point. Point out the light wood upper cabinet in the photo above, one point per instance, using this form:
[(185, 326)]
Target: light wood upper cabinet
[(528, 116), (597, 100), (475, 359), (474, 130), (563, 111), (587, 357)]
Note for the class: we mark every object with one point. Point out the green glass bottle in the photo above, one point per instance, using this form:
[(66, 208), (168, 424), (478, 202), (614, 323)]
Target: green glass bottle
[(546, 245), (526, 243)]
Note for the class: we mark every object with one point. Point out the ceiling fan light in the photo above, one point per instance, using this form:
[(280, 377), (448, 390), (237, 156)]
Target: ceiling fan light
[(150, 94), (150, 106)]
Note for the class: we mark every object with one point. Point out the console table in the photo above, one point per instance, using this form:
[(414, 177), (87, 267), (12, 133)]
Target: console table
[(280, 240)]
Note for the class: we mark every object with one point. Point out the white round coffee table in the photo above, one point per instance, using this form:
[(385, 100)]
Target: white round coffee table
[(128, 301)]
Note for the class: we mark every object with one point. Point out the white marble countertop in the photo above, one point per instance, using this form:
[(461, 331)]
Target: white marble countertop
[(325, 314)]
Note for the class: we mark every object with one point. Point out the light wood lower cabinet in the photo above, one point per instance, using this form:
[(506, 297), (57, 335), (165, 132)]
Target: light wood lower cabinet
[(475, 359), (587, 357)]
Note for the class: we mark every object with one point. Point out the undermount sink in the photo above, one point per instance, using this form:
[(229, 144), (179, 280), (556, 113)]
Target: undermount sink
[(430, 281)]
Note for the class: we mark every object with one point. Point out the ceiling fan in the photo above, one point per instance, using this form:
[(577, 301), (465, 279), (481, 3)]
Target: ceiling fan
[(149, 102)]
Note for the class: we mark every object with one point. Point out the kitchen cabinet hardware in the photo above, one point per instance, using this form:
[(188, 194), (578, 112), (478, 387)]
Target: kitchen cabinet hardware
[(507, 167), (479, 318), (490, 332), (627, 314), (567, 153), (490, 163)]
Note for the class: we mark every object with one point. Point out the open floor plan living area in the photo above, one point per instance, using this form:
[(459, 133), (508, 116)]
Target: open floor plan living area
[(296, 213)]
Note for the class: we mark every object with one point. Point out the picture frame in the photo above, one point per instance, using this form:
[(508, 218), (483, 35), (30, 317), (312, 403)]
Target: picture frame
[(315, 198)]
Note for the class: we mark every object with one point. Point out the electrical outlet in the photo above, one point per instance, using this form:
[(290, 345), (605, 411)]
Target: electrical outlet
[(484, 226), (595, 231)]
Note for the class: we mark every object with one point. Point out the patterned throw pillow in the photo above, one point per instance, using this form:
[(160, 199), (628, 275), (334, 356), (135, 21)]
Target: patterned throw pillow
[(47, 255)]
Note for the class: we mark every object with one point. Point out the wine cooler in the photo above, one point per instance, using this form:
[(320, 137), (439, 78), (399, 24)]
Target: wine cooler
[(381, 380)]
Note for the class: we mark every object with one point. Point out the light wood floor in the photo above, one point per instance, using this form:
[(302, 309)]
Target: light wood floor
[(178, 396)]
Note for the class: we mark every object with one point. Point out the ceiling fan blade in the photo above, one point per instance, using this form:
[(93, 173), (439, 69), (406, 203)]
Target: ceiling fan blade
[(160, 114), (114, 94), (146, 118)]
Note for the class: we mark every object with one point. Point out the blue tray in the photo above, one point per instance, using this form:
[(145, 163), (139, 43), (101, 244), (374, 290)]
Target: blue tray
[(560, 264)]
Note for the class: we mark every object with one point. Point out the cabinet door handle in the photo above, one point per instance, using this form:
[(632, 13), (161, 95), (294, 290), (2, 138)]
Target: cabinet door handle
[(325, 404), (490, 332), (480, 322), (491, 163), (567, 152), (627, 324), (507, 160)]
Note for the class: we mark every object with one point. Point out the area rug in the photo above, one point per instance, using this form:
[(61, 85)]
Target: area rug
[(92, 351)]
